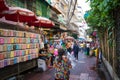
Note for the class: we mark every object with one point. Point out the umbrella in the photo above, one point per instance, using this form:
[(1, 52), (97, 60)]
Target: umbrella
[(42, 22), (3, 6), (18, 14)]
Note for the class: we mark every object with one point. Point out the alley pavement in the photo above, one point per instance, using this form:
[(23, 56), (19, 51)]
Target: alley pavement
[(84, 70)]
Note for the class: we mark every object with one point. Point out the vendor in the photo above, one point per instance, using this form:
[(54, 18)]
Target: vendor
[(42, 51)]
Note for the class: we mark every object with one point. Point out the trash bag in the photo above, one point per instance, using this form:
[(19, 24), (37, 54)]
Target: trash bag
[(72, 59)]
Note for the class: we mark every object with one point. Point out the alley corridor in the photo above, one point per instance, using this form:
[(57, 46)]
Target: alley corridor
[(84, 70)]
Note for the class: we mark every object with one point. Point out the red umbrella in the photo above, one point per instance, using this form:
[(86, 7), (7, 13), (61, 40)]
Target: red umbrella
[(3, 6), (18, 14), (42, 22)]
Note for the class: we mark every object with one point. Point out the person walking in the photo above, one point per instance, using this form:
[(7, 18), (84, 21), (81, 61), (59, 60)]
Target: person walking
[(75, 50), (62, 66)]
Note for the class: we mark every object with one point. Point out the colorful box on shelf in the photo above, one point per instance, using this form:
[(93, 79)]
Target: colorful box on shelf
[(35, 45), (15, 60), (12, 54), (6, 62), (33, 56), (23, 46), (20, 40), (24, 40), (1, 63), (27, 34), (28, 46), (17, 34), (20, 33), (1, 48), (30, 51), (11, 33), (8, 33), (23, 52), (24, 58), (16, 46), (20, 52), (9, 47), (1, 32), (11, 61), (12, 40), (35, 51), (26, 52), (17, 52), (35, 40), (14, 33), (28, 40), (1, 56), (31, 35), (29, 57), (15, 40), (20, 59), (5, 40), (6, 55), (38, 36), (31, 40), (5, 32), (1, 40), (8, 40), (5, 47)]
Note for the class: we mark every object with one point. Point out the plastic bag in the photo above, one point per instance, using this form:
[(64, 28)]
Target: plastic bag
[(72, 59)]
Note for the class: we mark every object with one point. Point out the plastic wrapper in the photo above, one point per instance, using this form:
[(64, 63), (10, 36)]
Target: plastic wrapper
[(72, 59)]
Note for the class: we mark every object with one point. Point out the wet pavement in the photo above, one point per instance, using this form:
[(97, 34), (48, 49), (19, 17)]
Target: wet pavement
[(84, 70)]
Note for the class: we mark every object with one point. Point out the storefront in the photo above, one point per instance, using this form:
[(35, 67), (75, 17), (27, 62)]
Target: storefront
[(18, 49)]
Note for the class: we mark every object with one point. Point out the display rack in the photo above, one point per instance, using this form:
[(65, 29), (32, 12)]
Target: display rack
[(18, 50)]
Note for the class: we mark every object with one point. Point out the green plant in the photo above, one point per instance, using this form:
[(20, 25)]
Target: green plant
[(101, 16)]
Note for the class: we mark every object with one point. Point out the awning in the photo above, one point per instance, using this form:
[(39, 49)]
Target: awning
[(18, 14), (42, 22), (3, 6)]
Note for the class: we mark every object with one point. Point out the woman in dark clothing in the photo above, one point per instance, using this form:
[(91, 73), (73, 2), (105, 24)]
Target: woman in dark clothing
[(76, 50)]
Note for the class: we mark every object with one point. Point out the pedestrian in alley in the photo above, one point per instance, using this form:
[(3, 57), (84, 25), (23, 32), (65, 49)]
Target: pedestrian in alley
[(87, 49), (62, 66), (76, 50)]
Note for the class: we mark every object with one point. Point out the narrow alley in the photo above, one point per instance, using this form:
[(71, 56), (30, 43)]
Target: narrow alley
[(84, 70), (59, 39)]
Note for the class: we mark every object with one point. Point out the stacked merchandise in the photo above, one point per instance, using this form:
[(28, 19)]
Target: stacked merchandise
[(17, 46)]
